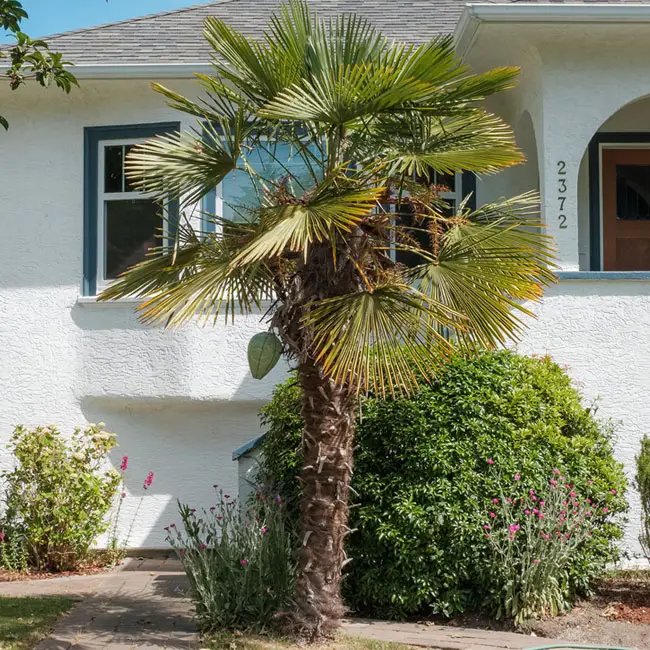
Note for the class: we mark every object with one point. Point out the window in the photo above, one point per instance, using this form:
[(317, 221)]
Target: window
[(456, 187), (238, 192), (121, 224)]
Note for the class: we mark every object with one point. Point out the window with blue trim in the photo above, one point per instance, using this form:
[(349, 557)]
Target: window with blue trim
[(121, 223)]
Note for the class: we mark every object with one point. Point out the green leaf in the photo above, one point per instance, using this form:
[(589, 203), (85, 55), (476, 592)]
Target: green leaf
[(264, 352)]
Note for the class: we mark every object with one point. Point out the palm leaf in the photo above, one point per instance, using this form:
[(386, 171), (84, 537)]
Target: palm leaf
[(294, 227), (381, 340)]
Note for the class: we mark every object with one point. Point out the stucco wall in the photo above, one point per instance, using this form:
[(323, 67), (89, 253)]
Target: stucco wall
[(180, 401)]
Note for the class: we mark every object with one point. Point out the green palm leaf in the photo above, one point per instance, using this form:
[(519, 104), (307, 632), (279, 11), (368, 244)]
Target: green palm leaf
[(382, 340)]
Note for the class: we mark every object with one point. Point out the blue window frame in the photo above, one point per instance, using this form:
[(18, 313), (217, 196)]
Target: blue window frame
[(118, 221)]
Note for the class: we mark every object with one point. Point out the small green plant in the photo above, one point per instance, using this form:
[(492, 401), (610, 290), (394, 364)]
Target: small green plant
[(533, 539), (57, 496), (643, 486), (239, 561)]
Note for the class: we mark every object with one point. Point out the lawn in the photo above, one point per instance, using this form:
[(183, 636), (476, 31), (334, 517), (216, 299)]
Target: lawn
[(25, 621), (229, 641)]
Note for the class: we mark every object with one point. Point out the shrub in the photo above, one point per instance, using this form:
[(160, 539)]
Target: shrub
[(533, 538), (57, 497), (239, 562), (643, 485), (423, 479)]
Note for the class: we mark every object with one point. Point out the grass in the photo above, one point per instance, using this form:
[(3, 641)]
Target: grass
[(230, 641), (25, 621)]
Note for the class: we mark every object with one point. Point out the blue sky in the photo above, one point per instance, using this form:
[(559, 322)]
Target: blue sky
[(52, 16)]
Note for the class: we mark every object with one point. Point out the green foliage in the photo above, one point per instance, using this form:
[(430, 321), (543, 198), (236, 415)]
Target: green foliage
[(424, 480), (643, 485), (533, 538), (58, 495), (29, 58), (239, 561)]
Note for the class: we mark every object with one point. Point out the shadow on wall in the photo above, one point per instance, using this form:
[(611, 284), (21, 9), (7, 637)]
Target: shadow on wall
[(187, 445)]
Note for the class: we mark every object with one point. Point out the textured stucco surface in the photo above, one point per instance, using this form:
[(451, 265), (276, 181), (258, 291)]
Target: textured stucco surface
[(181, 400)]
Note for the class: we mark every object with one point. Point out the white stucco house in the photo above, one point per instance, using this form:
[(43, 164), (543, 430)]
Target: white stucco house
[(182, 401)]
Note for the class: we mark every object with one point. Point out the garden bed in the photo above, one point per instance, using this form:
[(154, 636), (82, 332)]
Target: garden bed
[(99, 562)]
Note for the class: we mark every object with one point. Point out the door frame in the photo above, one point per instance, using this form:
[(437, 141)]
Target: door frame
[(600, 141)]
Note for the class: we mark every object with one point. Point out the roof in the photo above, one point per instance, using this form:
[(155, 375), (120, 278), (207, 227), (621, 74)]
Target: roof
[(174, 37)]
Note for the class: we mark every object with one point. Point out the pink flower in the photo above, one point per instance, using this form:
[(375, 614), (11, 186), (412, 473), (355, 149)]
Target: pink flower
[(265, 530), (172, 525), (509, 500), (124, 495), (565, 503), (613, 491), (542, 504), (495, 501), (226, 496), (219, 518), (556, 471), (125, 463), (148, 481), (535, 561), (181, 552), (212, 508), (517, 477), (588, 513), (588, 500), (203, 546), (590, 482), (215, 485), (531, 492), (553, 482), (572, 495), (526, 512), (2, 537), (540, 515), (490, 461), (534, 498), (605, 509), (535, 511), (166, 528), (244, 562), (486, 526), (493, 515), (514, 528)]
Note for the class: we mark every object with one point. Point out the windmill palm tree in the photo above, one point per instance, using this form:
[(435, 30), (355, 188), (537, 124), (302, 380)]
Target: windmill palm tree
[(344, 139)]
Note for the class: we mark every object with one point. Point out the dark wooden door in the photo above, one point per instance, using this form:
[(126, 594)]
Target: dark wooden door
[(626, 209)]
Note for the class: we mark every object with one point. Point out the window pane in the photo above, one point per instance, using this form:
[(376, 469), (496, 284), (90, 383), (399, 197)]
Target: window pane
[(127, 183), (419, 237), (132, 228), (239, 192), (633, 192), (113, 165)]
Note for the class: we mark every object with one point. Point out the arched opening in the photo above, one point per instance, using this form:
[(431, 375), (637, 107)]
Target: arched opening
[(520, 178), (614, 193)]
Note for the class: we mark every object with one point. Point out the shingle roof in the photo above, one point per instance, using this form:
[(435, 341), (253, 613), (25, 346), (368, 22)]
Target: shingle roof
[(175, 37)]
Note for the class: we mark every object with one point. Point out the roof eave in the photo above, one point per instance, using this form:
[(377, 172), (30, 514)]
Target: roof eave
[(476, 14), (139, 71)]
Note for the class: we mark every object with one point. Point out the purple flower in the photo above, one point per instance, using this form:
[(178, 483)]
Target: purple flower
[(278, 499), (265, 530), (244, 562)]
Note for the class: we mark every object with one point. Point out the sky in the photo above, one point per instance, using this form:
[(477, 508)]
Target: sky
[(53, 16)]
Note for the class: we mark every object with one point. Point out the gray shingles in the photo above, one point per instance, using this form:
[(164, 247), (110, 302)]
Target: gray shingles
[(175, 36)]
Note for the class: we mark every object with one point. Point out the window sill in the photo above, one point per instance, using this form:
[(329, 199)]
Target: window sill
[(92, 301), (603, 275)]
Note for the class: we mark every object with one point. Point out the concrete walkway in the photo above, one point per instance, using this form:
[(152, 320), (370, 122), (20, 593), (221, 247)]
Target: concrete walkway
[(442, 637), (141, 605)]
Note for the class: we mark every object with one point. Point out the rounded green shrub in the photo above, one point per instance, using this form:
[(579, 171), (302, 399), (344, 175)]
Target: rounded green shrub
[(427, 468)]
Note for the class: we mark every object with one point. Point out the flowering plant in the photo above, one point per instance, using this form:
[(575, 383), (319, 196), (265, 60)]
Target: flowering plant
[(239, 561), (534, 538)]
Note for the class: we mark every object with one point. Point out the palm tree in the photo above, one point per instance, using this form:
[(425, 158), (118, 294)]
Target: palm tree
[(356, 134)]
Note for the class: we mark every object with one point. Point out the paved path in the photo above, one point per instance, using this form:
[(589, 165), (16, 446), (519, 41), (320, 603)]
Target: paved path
[(140, 605), (442, 637)]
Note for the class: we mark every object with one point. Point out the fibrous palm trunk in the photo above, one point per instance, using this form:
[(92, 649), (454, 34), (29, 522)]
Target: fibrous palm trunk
[(327, 447)]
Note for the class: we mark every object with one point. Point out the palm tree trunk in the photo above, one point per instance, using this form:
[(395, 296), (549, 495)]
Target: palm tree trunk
[(327, 445)]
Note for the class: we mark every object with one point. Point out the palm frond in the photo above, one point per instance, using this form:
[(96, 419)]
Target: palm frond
[(194, 280), (295, 226), (381, 340), (487, 267)]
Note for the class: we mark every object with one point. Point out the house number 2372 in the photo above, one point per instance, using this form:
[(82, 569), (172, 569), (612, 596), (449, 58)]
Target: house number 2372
[(562, 190)]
